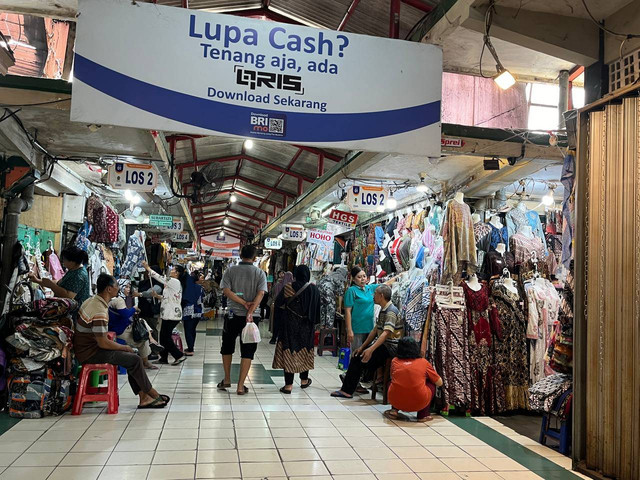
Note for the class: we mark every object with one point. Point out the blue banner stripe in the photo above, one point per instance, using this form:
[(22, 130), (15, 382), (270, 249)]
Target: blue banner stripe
[(235, 119)]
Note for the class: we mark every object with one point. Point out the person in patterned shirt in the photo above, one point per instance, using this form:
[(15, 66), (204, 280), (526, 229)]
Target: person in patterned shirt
[(91, 345)]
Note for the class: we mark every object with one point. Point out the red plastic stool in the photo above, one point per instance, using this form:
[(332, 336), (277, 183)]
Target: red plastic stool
[(87, 393)]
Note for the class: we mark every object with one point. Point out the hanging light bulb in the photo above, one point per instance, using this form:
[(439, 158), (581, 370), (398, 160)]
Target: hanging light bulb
[(548, 199), (504, 79), (392, 203), (248, 144), (226, 221), (222, 233), (422, 187), (128, 194), (233, 198)]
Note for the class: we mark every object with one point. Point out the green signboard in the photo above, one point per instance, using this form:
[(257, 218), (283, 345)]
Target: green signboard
[(161, 220)]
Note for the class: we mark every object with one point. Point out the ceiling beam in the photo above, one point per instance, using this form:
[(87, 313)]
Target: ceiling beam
[(214, 215), (572, 39), (319, 151), (256, 183), (419, 5), (347, 15), (237, 204)]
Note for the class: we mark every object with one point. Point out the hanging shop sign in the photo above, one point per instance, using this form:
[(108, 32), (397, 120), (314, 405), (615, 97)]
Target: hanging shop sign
[(365, 198), (176, 226), (272, 243), (250, 78), (294, 233), (132, 176), (161, 220), (346, 219), (320, 236), (220, 242), (180, 237), (221, 254)]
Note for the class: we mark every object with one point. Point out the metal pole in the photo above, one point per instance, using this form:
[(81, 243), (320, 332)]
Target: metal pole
[(348, 14), (563, 97), (394, 19)]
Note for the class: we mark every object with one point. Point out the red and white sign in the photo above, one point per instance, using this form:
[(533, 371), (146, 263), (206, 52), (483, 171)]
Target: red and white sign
[(346, 219), (320, 236), (366, 198), (220, 242), (451, 142)]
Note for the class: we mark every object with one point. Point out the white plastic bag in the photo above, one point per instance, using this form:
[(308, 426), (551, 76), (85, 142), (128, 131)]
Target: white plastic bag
[(250, 333)]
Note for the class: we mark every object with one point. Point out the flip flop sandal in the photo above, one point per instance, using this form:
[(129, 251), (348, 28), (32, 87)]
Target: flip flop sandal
[(166, 398), (180, 360), (390, 415), (285, 391), (306, 385), (189, 354), (157, 403), (223, 386), (151, 367), (244, 392), (339, 394), (362, 390)]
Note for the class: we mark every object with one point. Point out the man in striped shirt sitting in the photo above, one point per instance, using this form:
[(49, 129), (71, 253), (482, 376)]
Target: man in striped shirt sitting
[(91, 345)]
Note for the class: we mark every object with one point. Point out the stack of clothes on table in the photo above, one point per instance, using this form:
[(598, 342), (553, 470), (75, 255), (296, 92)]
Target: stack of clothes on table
[(544, 394), (41, 355)]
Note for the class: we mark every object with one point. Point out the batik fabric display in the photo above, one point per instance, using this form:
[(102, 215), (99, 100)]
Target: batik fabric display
[(331, 287), (511, 349), (135, 254), (459, 241), (487, 391)]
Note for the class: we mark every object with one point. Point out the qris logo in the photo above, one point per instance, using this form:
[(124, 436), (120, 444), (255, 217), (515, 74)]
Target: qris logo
[(279, 81)]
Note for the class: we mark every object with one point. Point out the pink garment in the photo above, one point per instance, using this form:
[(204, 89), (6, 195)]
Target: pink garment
[(428, 240), (55, 269)]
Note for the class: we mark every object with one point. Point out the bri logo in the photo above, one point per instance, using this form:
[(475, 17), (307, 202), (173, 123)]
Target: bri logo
[(268, 124), (278, 81)]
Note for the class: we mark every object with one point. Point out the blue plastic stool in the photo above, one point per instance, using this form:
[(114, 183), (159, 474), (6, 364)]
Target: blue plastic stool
[(121, 370), (343, 358), (563, 434)]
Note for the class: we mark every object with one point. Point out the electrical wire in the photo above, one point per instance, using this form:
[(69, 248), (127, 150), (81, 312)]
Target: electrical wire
[(6, 105), (605, 29)]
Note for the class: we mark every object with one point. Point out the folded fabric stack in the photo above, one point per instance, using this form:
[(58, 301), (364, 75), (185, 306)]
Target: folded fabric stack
[(544, 393), (40, 365)]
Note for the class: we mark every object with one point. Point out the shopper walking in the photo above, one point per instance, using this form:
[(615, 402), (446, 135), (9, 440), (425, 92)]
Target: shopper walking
[(91, 345), (191, 309), (413, 382), (284, 278), (149, 306), (75, 283), (244, 285), (170, 311), (380, 345), (297, 310)]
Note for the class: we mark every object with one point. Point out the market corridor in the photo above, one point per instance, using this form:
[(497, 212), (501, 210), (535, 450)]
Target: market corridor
[(206, 433)]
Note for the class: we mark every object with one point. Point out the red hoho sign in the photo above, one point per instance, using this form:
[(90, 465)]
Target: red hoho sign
[(344, 218)]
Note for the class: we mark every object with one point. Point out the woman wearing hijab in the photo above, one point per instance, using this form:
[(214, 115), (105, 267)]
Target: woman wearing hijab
[(297, 310), (284, 278), (191, 309), (121, 322)]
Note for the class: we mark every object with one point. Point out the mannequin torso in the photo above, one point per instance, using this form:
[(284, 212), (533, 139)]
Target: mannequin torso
[(510, 285), (459, 197), (495, 221), (473, 283), (501, 248)]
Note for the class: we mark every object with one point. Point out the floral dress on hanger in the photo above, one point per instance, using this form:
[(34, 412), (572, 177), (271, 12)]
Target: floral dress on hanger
[(487, 396)]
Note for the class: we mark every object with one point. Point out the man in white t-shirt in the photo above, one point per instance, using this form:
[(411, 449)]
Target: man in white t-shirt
[(244, 285)]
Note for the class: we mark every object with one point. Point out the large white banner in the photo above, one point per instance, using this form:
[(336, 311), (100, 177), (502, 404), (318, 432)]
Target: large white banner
[(149, 66)]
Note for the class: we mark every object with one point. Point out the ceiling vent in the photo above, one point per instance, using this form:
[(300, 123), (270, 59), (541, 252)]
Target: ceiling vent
[(624, 71)]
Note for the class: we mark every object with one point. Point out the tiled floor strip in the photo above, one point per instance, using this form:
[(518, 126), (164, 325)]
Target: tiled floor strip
[(205, 433)]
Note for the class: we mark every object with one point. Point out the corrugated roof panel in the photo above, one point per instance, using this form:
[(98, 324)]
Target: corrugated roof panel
[(213, 4)]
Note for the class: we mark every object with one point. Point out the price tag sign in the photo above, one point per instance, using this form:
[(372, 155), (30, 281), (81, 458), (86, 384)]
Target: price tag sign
[(176, 226), (133, 176), (294, 233), (272, 243), (346, 219), (161, 220), (180, 237), (365, 198), (320, 236)]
